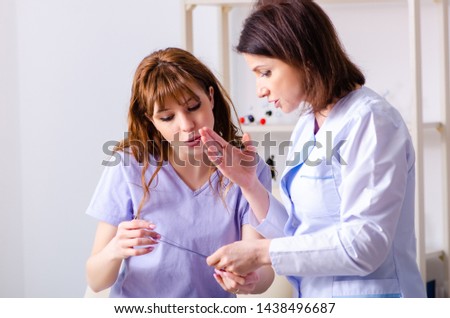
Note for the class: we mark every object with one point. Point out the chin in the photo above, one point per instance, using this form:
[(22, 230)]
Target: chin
[(195, 152)]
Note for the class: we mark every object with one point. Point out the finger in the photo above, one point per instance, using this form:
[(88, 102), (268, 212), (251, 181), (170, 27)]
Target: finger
[(248, 156), (140, 233), (153, 235), (214, 151), (229, 284), (226, 287), (219, 280), (216, 157), (223, 282), (209, 136), (248, 143), (213, 148), (145, 241), (137, 243), (252, 278), (219, 264), (141, 251), (238, 279), (136, 224), (234, 286), (213, 259)]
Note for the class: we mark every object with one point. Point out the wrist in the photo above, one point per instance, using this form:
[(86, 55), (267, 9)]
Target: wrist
[(111, 253), (252, 186), (263, 252)]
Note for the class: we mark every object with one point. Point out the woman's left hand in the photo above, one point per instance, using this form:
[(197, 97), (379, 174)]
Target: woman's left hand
[(237, 164), (236, 284)]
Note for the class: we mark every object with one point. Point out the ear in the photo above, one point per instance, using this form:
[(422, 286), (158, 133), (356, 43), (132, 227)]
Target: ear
[(211, 95)]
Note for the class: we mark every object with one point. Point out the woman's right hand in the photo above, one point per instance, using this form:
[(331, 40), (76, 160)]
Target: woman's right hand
[(238, 165), (133, 238), (112, 245)]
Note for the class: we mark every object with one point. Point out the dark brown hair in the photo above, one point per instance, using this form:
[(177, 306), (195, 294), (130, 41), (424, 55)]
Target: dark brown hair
[(161, 75), (299, 33)]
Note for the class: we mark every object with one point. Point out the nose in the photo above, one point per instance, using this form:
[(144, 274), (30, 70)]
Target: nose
[(262, 92), (187, 124)]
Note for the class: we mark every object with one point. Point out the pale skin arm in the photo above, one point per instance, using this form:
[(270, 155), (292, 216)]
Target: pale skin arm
[(255, 281), (112, 245)]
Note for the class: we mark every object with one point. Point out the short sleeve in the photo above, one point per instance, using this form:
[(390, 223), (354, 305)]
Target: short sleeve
[(112, 202)]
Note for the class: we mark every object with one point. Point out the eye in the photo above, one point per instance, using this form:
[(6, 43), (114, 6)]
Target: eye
[(194, 108), (166, 118), (265, 73)]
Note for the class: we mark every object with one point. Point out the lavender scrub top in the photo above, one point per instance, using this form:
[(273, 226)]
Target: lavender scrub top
[(197, 220)]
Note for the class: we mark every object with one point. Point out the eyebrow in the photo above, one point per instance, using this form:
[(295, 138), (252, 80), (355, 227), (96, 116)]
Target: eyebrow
[(165, 109), (161, 110), (257, 67)]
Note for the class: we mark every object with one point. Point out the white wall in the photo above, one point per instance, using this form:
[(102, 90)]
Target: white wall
[(11, 233), (75, 63), (66, 70)]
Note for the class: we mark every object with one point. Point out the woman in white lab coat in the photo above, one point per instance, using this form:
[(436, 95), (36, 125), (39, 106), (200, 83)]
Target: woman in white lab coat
[(346, 225)]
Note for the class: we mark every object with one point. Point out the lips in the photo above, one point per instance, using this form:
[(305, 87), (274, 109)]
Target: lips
[(276, 103), (195, 141)]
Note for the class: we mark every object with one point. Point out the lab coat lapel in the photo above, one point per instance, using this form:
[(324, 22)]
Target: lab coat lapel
[(302, 139)]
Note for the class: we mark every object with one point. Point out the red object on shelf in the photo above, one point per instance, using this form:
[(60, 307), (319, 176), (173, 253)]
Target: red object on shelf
[(242, 120), (262, 121)]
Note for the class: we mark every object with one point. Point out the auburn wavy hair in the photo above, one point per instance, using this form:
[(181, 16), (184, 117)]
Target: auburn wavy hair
[(162, 75)]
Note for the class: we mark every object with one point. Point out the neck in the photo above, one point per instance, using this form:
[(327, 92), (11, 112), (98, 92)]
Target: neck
[(322, 115), (194, 171)]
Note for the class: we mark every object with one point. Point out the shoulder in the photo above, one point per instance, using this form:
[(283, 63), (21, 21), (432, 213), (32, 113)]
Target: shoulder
[(370, 110), (370, 123), (124, 162), (365, 102)]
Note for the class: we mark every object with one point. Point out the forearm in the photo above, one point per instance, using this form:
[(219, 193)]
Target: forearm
[(102, 271), (258, 199)]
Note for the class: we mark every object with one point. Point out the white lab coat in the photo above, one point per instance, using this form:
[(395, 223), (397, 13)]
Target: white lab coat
[(346, 228)]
